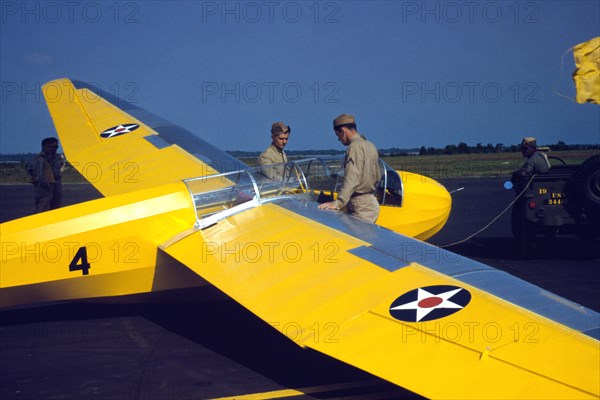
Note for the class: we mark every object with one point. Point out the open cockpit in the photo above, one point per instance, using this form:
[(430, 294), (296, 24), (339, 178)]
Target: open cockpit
[(221, 195)]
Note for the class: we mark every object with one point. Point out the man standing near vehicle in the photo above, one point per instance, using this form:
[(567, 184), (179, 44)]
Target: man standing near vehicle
[(361, 172), (274, 154), (46, 173), (536, 163), (523, 229)]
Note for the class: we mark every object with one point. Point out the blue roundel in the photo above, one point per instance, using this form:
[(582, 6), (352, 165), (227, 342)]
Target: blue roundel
[(119, 130), (429, 303)]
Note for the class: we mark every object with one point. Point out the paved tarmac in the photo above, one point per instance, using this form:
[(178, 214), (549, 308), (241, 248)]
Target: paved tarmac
[(201, 349)]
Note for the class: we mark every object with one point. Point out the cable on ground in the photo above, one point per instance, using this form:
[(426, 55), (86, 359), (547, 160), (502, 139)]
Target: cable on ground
[(493, 220)]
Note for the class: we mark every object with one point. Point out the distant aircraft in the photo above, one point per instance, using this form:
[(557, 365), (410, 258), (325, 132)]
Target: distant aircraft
[(179, 212)]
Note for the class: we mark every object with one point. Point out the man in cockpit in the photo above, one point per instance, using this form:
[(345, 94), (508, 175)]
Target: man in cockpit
[(275, 154)]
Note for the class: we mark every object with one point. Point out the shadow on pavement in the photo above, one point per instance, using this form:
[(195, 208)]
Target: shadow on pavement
[(558, 248)]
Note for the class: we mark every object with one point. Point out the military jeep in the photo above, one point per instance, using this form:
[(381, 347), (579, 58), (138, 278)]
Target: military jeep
[(566, 200)]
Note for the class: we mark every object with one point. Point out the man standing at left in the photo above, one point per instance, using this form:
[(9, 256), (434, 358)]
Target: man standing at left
[(45, 170)]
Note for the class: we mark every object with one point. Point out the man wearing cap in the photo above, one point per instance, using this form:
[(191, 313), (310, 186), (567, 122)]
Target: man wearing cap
[(274, 154), (537, 163), (361, 172), (45, 170)]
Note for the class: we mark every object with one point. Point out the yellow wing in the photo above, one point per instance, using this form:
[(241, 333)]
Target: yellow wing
[(429, 320), (121, 148)]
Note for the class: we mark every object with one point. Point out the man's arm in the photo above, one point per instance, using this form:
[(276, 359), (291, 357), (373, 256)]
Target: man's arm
[(266, 161), (528, 168), (352, 175), (39, 171)]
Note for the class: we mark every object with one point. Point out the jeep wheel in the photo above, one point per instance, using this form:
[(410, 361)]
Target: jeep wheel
[(587, 183)]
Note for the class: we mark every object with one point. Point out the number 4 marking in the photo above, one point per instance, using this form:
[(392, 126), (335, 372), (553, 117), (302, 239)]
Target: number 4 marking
[(80, 262)]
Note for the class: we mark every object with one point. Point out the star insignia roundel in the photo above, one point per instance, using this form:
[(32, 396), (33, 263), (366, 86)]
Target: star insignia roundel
[(119, 130), (429, 303)]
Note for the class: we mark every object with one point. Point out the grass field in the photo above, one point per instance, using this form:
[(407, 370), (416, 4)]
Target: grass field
[(437, 167), (471, 165), (476, 165)]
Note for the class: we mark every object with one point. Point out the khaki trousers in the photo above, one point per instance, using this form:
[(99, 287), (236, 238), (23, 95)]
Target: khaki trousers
[(364, 206)]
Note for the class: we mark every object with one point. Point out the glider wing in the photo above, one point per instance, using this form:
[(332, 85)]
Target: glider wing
[(119, 147), (424, 318)]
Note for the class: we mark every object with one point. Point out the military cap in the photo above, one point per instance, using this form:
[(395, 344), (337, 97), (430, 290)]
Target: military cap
[(343, 119), (529, 141), (279, 128)]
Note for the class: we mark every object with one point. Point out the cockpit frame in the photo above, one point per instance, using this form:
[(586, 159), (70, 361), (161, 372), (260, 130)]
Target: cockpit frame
[(219, 196)]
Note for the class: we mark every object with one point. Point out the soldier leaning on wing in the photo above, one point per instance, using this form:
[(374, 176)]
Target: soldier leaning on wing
[(361, 172)]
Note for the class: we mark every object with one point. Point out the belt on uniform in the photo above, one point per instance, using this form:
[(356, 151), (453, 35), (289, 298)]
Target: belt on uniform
[(355, 194)]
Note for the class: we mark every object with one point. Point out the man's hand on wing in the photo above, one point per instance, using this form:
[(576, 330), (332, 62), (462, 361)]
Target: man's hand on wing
[(332, 205)]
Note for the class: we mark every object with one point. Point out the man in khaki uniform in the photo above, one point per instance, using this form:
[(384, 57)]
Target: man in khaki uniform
[(274, 154), (536, 163), (45, 170), (361, 172)]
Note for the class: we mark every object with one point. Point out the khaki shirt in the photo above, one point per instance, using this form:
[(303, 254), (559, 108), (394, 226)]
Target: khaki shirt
[(361, 170), (42, 169), (272, 155), (536, 163)]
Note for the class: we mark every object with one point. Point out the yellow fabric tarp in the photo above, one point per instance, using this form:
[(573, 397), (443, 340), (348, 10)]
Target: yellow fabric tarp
[(587, 73)]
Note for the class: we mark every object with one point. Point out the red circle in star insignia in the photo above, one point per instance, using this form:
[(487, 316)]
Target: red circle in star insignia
[(430, 302)]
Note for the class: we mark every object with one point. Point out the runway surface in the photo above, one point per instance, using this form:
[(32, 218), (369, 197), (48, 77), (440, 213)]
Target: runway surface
[(201, 349)]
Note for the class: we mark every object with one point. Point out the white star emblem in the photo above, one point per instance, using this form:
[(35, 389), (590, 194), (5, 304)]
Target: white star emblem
[(119, 130), (427, 302)]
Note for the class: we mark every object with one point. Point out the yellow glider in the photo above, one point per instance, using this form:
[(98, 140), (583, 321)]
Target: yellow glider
[(179, 212)]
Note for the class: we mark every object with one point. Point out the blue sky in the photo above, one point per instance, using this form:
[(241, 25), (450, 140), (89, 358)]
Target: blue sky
[(414, 73)]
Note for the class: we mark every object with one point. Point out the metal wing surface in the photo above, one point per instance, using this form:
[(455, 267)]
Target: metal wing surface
[(432, 321), (120, 147)]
